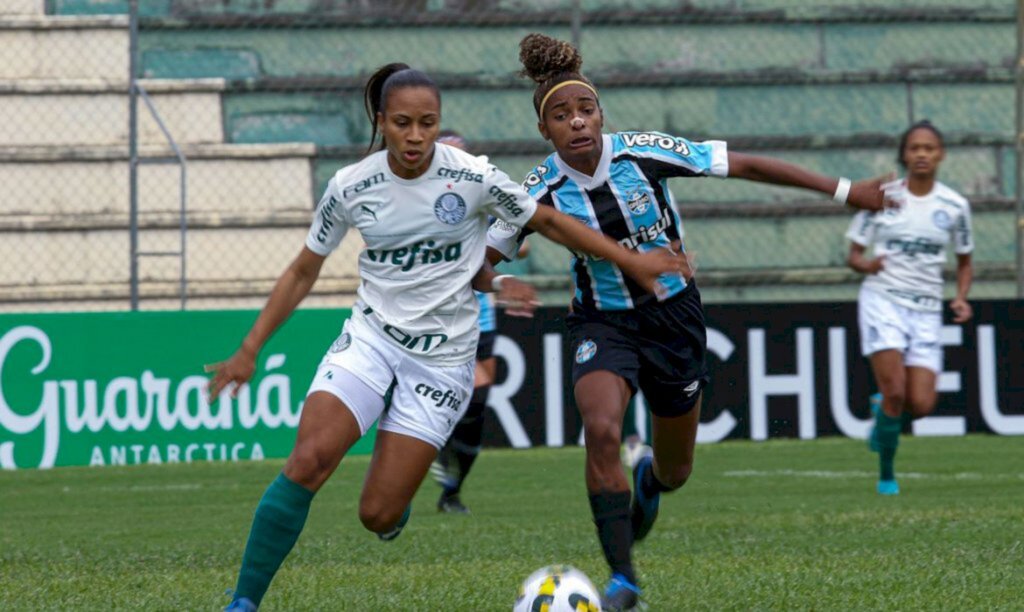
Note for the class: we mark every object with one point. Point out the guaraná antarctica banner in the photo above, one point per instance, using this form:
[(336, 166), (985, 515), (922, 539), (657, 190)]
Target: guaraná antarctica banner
[(128, 388)]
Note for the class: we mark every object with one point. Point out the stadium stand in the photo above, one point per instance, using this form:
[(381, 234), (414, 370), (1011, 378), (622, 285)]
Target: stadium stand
[(242, 82)]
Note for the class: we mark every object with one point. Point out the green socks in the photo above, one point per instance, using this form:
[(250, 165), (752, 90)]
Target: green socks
[(279, 519), (888, 439)]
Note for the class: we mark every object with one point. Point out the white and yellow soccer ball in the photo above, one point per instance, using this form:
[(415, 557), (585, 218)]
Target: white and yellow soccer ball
[(557, 588)]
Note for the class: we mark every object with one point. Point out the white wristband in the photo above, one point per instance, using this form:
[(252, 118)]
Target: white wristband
[(842, 190), (496, 281)]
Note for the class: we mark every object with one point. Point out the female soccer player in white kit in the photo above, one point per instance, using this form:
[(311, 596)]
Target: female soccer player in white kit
[(900, 302), (422, 210)]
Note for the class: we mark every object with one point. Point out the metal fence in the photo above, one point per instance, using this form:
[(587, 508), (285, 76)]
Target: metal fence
[(168, 153)]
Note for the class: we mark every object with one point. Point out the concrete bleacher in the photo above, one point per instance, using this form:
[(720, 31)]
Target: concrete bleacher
[(64, 210), (828, 86)]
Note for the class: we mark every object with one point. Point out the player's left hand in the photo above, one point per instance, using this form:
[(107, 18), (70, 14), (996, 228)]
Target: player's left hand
[(962, 311), (517, 297), (873, 194)]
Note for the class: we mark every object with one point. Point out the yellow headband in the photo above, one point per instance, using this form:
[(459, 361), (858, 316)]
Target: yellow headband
[(540, 110)]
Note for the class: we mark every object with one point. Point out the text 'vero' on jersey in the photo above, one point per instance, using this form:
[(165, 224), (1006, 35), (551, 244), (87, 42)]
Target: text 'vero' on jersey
[(628, 199), (425, 239), (913, 239)]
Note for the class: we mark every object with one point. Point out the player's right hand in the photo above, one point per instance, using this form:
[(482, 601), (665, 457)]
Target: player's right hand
[(876, 265), (235, 371)]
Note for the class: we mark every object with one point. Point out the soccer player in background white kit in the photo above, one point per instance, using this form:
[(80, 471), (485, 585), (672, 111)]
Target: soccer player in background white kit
[(900, 301), (422, 210), (456, 458)]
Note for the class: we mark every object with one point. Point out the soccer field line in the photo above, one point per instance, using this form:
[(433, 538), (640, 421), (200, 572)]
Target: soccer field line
[(835, 474), (140, 488)]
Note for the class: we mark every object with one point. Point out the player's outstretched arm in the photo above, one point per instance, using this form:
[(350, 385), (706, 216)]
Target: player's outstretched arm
[(292, 286), (867, 194), (645, 268)]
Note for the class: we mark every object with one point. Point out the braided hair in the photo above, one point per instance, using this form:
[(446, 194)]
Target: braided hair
[(549, 62)]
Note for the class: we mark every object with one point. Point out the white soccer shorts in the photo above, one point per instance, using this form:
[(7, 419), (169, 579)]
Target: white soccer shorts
[(886, 325), (361, 366)]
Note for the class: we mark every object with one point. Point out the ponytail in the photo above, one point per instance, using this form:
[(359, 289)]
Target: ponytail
[(380, 84)]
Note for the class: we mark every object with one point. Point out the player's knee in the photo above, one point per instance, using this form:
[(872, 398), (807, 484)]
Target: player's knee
[(378, 517), (603, 438), (675, 476), (307, 467), (921, 406)]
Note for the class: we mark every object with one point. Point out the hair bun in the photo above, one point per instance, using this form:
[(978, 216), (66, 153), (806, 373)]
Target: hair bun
[(544, 57)]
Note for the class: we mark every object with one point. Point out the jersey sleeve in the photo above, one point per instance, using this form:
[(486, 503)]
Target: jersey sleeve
[(506, 238), (676, 156), (329, 223), (963, 235), (506, 200), (862, 228)]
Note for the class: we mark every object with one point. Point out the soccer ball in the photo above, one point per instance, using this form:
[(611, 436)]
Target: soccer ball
[(557, 588)]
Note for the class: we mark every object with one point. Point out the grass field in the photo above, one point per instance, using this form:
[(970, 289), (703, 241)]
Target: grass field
[(776, 525)]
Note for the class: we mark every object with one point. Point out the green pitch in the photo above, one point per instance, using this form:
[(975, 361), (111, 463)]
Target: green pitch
[(776, 525)]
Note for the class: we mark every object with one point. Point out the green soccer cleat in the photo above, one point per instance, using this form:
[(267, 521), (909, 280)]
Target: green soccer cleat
[(888, 487), (242, 604), (397, 530)]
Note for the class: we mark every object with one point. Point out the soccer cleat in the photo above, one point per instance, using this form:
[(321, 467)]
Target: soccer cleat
[(242, 604), (451, 504), (444, 469), (875, 401), (643, 509), (620, 595), (888, 487), (397, 530)]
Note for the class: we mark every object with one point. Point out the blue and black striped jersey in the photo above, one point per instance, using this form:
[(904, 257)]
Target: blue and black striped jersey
[(627, 199)]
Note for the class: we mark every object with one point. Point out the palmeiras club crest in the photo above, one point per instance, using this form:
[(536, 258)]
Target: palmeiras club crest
[(450, 208)]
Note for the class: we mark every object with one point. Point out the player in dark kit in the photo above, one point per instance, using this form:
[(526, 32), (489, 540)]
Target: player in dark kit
[(623, 337)]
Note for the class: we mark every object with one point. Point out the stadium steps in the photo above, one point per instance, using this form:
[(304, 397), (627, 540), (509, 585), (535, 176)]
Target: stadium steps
[(23, 7), (68, 182), (215, 252), (329, 292), (44, 47), (95, 112), (557, 8), (251, 49)]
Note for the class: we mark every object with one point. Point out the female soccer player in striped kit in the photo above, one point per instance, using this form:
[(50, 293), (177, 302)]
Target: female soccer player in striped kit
[(624, 339), (900, 302), (413, 331)]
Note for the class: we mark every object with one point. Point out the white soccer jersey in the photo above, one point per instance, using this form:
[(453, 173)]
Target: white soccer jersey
[(425, 240), (913, 239)]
